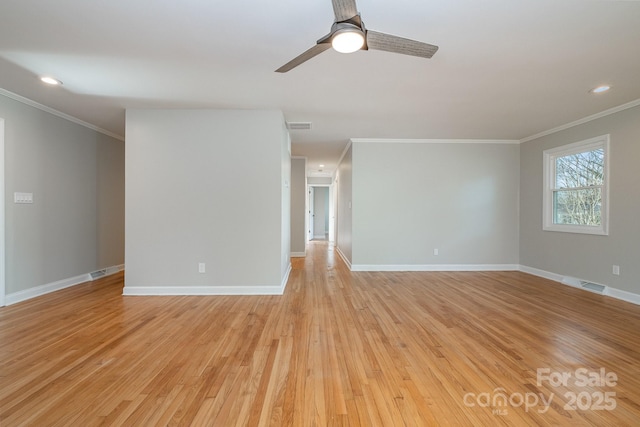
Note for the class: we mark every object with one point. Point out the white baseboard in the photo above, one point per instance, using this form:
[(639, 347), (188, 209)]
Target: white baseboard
[(623, 295), (569, 281), (344, 258), (115, 269), (37, 291), (285, 279), (200, 290), (298, 254), (207, 290), (542, 273), (436, 267)]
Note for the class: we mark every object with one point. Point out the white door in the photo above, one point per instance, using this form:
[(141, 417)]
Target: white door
[(332, 212), (310, 214)]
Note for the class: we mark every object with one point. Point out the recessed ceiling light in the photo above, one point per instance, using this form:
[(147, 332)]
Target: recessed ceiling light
[(50, 81), (321, 166), (600, 89)]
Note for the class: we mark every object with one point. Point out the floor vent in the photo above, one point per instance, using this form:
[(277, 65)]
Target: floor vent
[(97, 274), (594, 287), (583, 284), (298, 125)]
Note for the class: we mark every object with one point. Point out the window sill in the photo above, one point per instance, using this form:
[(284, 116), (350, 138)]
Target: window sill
[(577, 229)]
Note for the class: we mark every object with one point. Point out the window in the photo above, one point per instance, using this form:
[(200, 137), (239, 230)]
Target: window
[(576, 180)]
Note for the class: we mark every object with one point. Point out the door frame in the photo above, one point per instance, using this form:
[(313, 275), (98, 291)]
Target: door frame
[(332, 209), (310, 213), (3, 271)]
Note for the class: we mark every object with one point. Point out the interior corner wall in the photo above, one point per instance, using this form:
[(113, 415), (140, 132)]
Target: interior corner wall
[(110, 201), (411, 198), (582, 256), (343, 181), (285, 211), (298, 205), (205, 186), (75, 175)]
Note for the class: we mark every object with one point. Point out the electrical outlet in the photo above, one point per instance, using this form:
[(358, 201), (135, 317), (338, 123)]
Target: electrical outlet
[(23, 197), (202, 267), (616, 270), (436, 251)]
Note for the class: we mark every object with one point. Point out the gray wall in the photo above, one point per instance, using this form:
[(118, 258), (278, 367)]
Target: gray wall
[(110, 201), (344, 226), (298, 205), (319, 180), (411, 198), (285, 198), (206, 186), (75, 224), (587, 257)]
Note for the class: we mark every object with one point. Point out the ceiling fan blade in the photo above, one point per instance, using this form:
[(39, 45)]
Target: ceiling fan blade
[(344, 9), (390, 43), (310, 53)]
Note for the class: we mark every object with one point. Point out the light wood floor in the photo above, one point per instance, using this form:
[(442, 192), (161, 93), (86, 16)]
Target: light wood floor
[(338, 348)]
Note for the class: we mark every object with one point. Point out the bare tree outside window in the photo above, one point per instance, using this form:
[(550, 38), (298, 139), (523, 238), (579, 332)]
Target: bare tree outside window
[(577, 197)]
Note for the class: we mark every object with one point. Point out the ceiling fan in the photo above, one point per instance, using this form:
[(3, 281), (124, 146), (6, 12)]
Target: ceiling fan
[(348, 34)]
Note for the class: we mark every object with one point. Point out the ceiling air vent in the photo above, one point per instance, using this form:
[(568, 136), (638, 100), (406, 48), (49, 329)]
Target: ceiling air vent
[(298, 125)]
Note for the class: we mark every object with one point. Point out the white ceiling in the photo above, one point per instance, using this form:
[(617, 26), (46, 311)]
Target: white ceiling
[(506, 69)]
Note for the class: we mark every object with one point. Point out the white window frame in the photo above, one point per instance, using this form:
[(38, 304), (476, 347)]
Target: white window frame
[(550, 157)]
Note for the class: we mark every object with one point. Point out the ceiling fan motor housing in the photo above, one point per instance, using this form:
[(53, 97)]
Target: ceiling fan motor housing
[(353, 25)]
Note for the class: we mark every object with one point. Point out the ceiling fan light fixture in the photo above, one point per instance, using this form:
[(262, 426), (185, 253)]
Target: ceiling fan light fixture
[(349, 34), (348, 40)]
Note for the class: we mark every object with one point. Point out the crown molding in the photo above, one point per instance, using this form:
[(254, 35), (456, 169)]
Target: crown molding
[(583, 120), (436, 141), (57, 113), (344, 152)]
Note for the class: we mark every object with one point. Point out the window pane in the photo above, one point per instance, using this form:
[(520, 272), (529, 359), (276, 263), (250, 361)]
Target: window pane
[(577, 207), (580, 170)]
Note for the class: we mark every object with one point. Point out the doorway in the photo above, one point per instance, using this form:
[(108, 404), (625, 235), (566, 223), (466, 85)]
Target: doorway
[(320, 214)]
